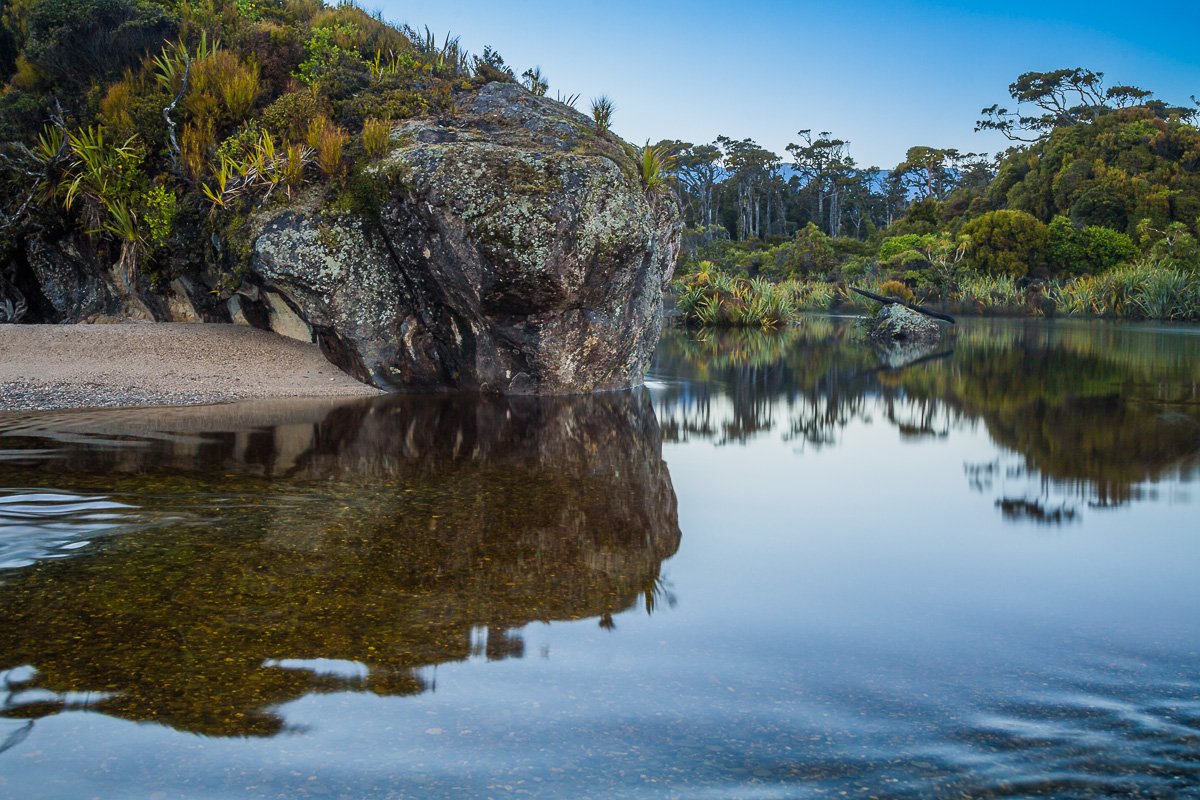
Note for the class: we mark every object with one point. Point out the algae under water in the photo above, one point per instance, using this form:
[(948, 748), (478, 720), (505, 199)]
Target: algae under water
[(792, 566)]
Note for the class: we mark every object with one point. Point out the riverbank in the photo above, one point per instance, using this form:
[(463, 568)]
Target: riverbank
[(1136, 292), (46, 367)]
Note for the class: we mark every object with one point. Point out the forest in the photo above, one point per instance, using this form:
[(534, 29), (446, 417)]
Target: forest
[(1093, 209), (156, 126)]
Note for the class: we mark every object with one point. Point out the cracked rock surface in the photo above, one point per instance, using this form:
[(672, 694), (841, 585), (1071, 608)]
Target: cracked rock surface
[(504, 248)]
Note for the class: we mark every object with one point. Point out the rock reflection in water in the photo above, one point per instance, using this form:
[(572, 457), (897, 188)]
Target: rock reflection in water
[(385, 535), (1091, 410)]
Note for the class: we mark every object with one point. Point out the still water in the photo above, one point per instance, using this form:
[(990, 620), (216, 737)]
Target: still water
[(793, 566)]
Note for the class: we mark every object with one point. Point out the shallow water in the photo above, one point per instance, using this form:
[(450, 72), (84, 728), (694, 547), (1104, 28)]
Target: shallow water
[(791, 567)]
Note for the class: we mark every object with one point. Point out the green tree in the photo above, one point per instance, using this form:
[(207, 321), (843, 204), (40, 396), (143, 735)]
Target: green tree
[(754, 180), (826, 171), (1007, 243), (1076, 251)]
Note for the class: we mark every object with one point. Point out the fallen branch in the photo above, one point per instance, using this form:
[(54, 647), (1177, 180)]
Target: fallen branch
[(174, 143), (896, 300)]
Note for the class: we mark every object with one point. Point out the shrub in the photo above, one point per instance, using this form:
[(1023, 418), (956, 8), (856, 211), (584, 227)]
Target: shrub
[(714, 299), (393, 104), (1172, 245), (535, 81), (989, 292), (328, 50), (78, 41), (1007, 243), (329, 142), (812, 252), (1103, 206), (21, 115), (490, 67), (222, 87), (157, 208), (655, 166), (602, 111), (1147, 289), (239, 90), (276, 49), (1076, 251), (195, 145), (893, 248), (376, 136), (895, 288), (289, 116)]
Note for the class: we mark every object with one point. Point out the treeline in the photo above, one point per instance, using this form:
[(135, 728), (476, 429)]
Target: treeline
[(1097, 179)]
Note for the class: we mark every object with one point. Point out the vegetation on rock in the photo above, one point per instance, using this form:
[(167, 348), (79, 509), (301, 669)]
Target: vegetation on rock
[(152, 130)]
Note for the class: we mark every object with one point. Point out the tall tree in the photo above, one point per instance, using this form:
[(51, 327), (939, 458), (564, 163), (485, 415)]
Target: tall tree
[(824, 167), (935, 172), (752, 170), (698, 171), (1066, 97)]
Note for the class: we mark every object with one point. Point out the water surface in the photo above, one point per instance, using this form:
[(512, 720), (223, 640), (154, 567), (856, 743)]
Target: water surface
[(793, 567)]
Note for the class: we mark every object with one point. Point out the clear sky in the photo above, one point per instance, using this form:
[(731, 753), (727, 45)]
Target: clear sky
[(884, 75)]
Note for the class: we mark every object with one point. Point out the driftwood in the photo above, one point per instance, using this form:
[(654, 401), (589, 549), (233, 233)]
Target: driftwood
[(170, 109), (919, 309)]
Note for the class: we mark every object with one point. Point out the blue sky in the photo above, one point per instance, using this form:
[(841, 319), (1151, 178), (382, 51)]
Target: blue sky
[(884, 75)]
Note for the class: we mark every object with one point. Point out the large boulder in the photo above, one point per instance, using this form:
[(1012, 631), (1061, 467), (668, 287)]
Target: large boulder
[(505, 247)]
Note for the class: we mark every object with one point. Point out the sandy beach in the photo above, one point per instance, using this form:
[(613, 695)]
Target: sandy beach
[(159, 364)]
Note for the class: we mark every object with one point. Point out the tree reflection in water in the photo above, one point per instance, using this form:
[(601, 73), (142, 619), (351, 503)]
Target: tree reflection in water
[(1090, 411), (313, 547)]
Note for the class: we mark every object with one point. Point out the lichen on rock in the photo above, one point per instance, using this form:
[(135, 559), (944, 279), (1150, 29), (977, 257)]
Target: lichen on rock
[(505, 248), (896, 324)]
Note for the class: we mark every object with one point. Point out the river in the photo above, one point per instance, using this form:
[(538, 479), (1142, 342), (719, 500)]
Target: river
[(792, 566)]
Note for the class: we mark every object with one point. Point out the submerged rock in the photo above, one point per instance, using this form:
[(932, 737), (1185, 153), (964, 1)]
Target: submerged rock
[(505, 248), (896, 324)]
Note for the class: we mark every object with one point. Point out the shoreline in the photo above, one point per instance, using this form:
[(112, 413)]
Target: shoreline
[(133, 365)]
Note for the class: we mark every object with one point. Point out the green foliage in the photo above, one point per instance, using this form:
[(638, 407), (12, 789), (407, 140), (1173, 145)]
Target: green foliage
[(157, 208), (893, 249), (1126, 165), (330, 51), (656, 163), (1146, 289), (811, 252), (1076, 251), (988, 292), (21, 115), (329, 142), (535, 81), (289, 115), (100, 174), (490, 66), (602, 111), (1010, 243), (376, 137), (247, 169), (1173, 245), (181, 116), (896, 289), (78, 41), (714, 299)]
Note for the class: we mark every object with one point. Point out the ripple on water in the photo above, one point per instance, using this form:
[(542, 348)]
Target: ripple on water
[(38, 524), (1086, 742)]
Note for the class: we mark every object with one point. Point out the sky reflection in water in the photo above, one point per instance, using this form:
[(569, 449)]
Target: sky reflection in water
[(973, 574)]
